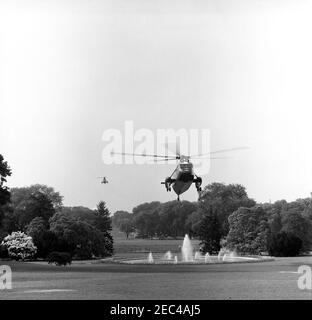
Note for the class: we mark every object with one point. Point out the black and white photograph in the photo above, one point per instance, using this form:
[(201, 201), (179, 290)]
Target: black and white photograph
[(155, 150)]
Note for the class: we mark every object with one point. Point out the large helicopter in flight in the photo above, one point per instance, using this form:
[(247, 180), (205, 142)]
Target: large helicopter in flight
[(183, 175)]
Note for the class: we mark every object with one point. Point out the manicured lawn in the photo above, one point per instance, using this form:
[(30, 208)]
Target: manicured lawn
[(124, 247)]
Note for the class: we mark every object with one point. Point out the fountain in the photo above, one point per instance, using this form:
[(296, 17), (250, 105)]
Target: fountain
[(187, 250), (207, 258), (187, 256), (221, 254), (150, 258), (198, 256), (168, 255)]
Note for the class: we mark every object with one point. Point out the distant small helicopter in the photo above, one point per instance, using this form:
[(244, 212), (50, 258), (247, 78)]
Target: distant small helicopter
[(183, 176), (104, 180)]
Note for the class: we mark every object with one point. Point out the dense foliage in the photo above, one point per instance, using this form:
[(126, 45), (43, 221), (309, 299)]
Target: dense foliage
[(37, 213), (209, 231), (19, 246), (284, 244), (80, 237), (248, 230), (5, 194), (176, 218), (224, 217), (59, 258), (225, 199)]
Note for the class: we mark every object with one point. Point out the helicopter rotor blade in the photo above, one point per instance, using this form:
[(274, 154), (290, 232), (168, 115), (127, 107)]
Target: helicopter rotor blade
[(200, 158), (141, 155), (162, 160), (212, 158), (219, 151)]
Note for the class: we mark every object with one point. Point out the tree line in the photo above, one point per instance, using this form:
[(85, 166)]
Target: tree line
[(176, 218), (225, 217), (34, 219)]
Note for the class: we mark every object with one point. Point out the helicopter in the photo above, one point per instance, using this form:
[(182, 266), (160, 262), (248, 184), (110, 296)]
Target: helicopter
[(183, 176), (104, 180)]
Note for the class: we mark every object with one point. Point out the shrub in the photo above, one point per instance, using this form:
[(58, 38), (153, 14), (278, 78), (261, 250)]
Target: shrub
[(3, 252), (284, 244), (59, 258), (19, 246)]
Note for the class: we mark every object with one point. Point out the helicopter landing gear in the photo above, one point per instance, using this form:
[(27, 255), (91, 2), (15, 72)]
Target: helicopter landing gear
[(167, 184), (198, 182)]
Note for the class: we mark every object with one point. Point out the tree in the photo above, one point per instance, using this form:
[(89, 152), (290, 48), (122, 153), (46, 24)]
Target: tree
[(20, 194), (225, 199), (119, 216), (173, 217), (104, 225), (146, 219), (209, 231), (5, 172), (36, 204), (59, 258), (275, 223), (284, 244), (126, 226), (44, 239), (123, 221), (82, 213), (80, 238), (5, 194), (193, 222), (28, 203), (293, 222), (248, 230), (19, 246), (155, 219), (36, 227), (104, 221)]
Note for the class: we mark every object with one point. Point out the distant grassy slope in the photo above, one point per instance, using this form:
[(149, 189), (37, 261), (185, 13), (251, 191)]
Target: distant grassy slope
[(123, 247)]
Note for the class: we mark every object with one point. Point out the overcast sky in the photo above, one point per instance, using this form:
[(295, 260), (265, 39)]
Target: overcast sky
[(69, 70)]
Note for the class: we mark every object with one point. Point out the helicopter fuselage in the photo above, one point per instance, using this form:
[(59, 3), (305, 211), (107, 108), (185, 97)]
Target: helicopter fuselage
[(182, 177)]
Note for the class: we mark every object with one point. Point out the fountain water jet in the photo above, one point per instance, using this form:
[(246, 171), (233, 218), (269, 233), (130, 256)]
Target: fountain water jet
[(187, 250), (220, 254), (150, 258), (207, 258), (168, 255), (198, 255)]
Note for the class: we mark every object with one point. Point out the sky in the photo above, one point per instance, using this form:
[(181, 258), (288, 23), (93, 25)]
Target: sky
[(70, 70)]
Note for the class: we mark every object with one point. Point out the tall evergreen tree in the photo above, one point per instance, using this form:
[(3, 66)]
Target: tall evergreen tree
[(104, 222), (104, 225)]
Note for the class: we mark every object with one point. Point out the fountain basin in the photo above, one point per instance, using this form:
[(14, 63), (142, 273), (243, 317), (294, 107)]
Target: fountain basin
[(187, 256), (213, 259)]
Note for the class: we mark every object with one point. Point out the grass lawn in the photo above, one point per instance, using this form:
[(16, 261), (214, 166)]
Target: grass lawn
[(132, 247)]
